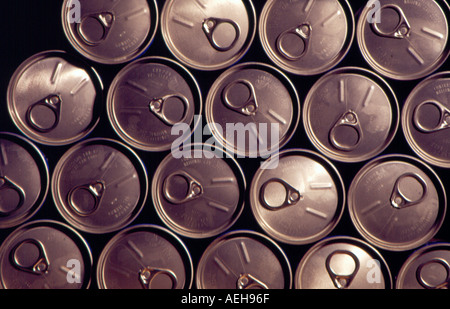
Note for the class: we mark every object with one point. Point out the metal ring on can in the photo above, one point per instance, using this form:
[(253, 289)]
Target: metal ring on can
[(400, 31), (39, 266), (157, 105), (444, 117), (209, 26), (53, 103)]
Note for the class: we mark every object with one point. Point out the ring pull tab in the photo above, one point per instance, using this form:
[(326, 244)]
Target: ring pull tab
[(157, 105), (250, 105), (6, 183), (444, 117), (400, 31), (348, 119), (95, 189), (247, 281), (51, 103), (291, 198), (148, 274), (342, 281), (38, 267), (99, 25), (194, 190), (399, 200), (302, 31), (445, 284), (210, 25)]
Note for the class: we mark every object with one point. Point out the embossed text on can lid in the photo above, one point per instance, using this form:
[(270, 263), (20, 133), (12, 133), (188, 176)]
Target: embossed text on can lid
[(145, 257), (300, 200), (243, 260), (207, 34), (397, 202), (99, 185), (306, 37), (45, 254), (110, 32)]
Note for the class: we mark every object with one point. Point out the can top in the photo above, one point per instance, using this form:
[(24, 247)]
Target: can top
[(208, 35), (397, 202), (145, 256), (306, 37), (99, 185), (426, 268), (351, 114), (110, 32), (198, 192), (395, 36), (45, 254), (54, 98), (148, 98), (342, 263), (243, 260), (297, 186)]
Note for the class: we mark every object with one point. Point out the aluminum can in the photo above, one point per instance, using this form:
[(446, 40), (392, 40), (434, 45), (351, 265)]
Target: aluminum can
[(342, 262), (426, 268), (110, 32), (145, 257), (208, 35), (425, 119), (351, 114), (306, 37), (99, 185), (199, 191), (395, 37), (241, 113), (243, 260), (397, 202), (45, 254), (149, 98), (297, 197), (24, 179)]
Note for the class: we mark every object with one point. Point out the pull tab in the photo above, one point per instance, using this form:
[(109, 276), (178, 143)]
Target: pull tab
[(6, 183), (51, 103), (249, 107), (194, 190), (94, 28), (400, 31), (210, 25), (94, 189), (399, 200), (157, 105), (342, 281), (444, 117), (148, 274), (348, 119), (38, 267), (445, 284), (247, 281), (292, 195), (303, 32)]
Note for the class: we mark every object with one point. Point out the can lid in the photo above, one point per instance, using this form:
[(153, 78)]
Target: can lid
[(297, 186), (54, 98), (24, 179), (426, 118), (198, 191), (148, 98), (426, 268), (397, 202), (351, 114), (241, 113), (110, 32), (395, 37), (45, 254), (243, 260), (208, 35), (306, 37), (145, 256), (99, 185), (342, 262)]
